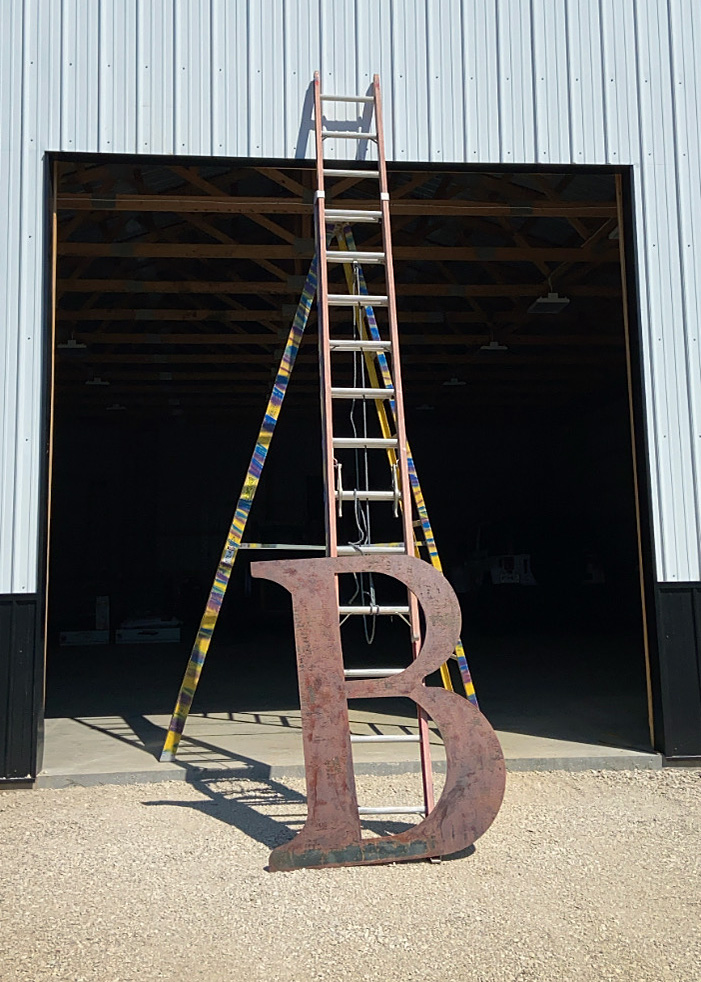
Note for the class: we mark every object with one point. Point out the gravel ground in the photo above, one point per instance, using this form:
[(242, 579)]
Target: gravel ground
[(589, 876)]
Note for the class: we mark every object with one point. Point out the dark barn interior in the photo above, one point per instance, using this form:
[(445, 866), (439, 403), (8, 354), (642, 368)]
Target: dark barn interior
[(176, 285)]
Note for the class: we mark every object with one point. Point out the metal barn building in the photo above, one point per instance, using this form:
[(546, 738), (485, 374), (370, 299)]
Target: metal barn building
[(545, 147)]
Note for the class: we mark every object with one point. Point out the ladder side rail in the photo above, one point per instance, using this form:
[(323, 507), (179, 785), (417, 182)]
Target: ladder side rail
[(392, 314), (251, 481), (400, 427), (324, 331)]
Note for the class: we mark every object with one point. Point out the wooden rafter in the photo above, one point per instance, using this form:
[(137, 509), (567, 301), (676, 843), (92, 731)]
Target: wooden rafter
[(198, 250), (472, 253), (75, 284), (220, 204), (409, 340)]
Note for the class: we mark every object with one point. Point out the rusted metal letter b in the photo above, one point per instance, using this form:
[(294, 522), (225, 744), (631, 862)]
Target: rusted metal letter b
[(474, 784)]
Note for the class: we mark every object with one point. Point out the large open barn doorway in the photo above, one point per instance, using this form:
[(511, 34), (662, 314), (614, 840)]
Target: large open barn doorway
[(176, 283)]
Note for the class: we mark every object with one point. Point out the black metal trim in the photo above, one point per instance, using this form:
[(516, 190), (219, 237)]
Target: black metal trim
[(679, 640), (21, 664), (308, 163)]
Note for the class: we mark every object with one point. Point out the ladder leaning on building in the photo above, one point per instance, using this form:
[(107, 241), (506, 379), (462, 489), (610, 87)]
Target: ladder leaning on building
[(377, 366)]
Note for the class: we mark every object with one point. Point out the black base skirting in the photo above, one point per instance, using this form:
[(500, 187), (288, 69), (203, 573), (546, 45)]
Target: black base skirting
[(679, 640), (21, 684)]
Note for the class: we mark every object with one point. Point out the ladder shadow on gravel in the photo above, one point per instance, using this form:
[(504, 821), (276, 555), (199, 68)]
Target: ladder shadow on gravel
[(226, 796), (238, 807), (235, 805)]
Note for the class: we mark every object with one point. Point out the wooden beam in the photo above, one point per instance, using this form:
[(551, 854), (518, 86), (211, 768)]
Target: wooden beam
[(198, 250), (411, 185), (99, 338), (248, 205), (75, 284), (251, 381), (278, 230), (284, 180), (243, 314), (406, 340), (498, 290), (179, 250), (209, 229), (178, 314), (490, 362), (553, 193), (293, 287), (594, 238)]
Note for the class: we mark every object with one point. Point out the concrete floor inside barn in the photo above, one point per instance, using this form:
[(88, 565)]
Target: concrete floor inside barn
[(557, 701)]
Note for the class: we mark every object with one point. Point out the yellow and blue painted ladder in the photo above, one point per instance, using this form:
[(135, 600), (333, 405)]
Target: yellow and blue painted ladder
[(238, 524), (346, 240)]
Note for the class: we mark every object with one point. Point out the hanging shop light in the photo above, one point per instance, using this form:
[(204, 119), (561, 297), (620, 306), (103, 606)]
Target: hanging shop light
[(71, 345), (553, 303), (494, 346)]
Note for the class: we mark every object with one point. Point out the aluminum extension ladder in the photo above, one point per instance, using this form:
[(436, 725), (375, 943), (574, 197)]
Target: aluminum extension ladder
[(384, 389)]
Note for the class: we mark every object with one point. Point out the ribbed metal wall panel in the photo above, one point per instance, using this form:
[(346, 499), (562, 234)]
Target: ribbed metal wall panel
[(479, 81), (515, 109), (685, 71), (155, 107), (10, 229)]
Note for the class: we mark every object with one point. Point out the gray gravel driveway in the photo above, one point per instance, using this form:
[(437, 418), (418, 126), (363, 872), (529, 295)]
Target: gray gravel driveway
[(586, 877)]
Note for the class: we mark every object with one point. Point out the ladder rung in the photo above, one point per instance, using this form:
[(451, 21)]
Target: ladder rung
[(371, 673), (346, 611), (360, 345), (341, 215), (365, 442), (352, 256), (347, 98), (394, 810), (356, 299), (362, 393), (383, 738), (342, 172), (368, 495), (347, 135), (283, 546), (381, 549)]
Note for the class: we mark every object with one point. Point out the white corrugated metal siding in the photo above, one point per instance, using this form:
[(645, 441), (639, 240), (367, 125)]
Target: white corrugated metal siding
[(480, 81)]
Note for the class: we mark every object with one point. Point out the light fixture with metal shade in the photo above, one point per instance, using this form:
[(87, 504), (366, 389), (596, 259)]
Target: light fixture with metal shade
[(71, 345), (494, 346), (553, 303)]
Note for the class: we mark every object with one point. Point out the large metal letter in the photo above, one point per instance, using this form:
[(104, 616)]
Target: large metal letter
[(474, 785)]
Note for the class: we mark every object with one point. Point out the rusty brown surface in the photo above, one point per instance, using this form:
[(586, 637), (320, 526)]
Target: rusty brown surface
[(475, 773)]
